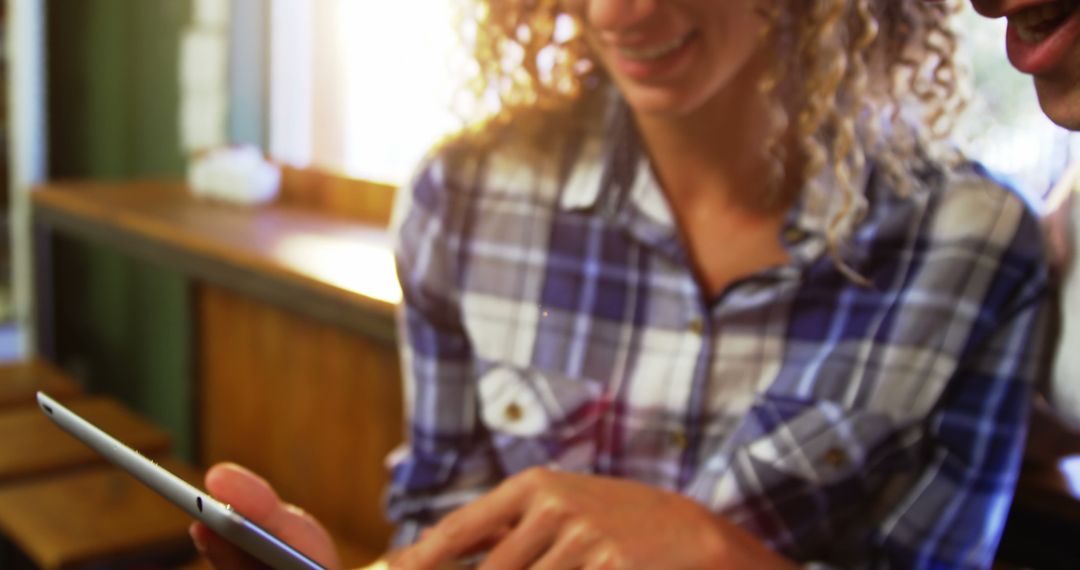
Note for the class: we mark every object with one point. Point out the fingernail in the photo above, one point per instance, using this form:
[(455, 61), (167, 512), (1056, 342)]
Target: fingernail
[(395, 563), (199, 546)]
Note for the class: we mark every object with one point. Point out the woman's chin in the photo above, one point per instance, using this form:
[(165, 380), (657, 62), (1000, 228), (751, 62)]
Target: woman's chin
[(1060, 100), (660, 103)]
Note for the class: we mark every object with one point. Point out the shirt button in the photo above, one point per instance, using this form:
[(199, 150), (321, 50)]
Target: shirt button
[(678, 439), (513, 412), (836, 458), (697, 325)]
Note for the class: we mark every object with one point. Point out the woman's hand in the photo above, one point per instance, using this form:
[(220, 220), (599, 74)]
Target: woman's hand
[(546, 519), (254, 498)]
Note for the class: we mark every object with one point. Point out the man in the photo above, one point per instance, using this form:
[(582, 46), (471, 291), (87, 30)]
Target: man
[(1043, 40)]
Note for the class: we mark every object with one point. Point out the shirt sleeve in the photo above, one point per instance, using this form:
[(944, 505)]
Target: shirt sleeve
[(447, 461), (953, 514)]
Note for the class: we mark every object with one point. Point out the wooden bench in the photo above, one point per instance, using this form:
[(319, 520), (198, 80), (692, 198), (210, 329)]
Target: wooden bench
[(31, 445), (62, 508), (99, 517), (20, 381)]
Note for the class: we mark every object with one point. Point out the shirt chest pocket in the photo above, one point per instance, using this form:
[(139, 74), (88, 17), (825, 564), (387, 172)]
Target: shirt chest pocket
[(819, 442), (811, 455), (537, 418), (804, 470)]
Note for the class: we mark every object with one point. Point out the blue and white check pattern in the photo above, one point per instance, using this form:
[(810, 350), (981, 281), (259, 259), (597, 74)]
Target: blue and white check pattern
[(551, 317)]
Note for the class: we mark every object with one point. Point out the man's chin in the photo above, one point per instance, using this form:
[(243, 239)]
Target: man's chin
[(1060, 101)]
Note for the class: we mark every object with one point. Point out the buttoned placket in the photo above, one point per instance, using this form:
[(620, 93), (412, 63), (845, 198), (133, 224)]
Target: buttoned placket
[(704, 320), (628, 203), (700, 336)]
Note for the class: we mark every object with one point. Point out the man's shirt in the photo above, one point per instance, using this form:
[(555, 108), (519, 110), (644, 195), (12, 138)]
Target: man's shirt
[(1064, 389), (552, 317)]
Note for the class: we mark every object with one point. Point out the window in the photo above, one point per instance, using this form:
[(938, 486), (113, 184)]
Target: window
[(361, 87)]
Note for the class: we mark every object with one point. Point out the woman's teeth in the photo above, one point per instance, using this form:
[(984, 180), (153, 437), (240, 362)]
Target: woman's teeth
[(652, 53), (1036, 23)]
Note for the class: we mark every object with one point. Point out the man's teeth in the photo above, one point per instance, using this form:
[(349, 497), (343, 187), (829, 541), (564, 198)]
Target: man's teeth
[(654, 52), (1036, 23)]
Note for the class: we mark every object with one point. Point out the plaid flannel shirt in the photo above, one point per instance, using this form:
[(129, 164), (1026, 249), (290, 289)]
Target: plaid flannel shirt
[(551, 316)]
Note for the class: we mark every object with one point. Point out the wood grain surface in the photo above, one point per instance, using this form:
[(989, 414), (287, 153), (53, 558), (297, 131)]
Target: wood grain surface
[(330, 268), (92, 516), (30, 444), (311, 407), (20, 381), (322, 191)]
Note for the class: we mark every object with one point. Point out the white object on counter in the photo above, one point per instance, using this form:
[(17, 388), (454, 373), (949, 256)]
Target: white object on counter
[(238, 175)]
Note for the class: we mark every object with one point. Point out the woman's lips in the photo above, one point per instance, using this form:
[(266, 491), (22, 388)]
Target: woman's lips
[(1039, 38), (653, 51), (653, 61)]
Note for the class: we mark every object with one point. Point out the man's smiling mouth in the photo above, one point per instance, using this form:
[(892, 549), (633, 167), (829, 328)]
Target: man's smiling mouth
[(1036, 23)]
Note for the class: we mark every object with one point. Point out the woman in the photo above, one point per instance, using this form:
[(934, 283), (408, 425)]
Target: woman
[(708, 291)]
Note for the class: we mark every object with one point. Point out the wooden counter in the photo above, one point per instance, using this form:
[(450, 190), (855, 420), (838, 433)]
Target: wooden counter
[(295, 370), (334, 270)]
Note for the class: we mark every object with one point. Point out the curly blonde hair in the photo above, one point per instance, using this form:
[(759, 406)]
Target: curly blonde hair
[(857, 78)]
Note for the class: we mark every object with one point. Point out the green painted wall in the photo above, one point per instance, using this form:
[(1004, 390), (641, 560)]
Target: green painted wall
[(122, 325)]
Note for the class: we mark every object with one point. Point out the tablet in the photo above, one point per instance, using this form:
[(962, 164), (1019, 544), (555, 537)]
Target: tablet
[(226, 522)]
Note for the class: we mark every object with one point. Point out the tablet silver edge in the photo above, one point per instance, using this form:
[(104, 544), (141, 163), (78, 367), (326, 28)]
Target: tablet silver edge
[(219, 517)]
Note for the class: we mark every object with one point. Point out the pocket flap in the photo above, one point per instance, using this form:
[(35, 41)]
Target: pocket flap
[(820, 441), (540, 418)]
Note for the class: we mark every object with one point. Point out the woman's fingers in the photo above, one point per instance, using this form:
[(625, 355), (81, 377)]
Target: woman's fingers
[(464, 530), (304, 533), (571, 549), (245, 491), (219, 551), (528, 540), (251, 496)]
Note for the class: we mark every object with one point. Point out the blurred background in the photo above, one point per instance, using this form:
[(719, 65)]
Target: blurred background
[(236, 328)]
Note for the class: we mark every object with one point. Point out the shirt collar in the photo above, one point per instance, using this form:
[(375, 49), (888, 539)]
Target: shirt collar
[(597, 153), (611, 172), (807, 223)]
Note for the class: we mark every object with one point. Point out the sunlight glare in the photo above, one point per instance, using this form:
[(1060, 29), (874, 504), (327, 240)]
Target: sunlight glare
[(399, 83), (368, 271)]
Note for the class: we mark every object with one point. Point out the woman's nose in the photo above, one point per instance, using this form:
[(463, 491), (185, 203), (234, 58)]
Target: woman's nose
[(615, 15)]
